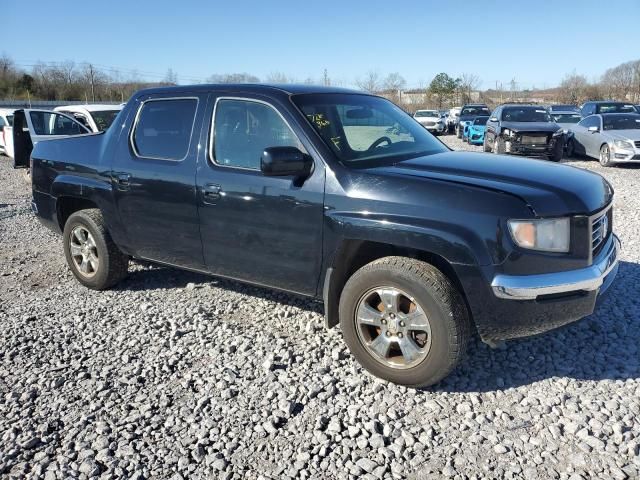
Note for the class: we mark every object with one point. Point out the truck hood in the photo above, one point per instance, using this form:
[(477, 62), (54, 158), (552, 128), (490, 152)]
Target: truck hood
[(549, 189), (531, 126)]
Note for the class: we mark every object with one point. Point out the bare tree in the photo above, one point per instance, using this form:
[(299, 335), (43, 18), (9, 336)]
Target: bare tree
[(573, 88), (279, 77), (371, 82), (469, 82)]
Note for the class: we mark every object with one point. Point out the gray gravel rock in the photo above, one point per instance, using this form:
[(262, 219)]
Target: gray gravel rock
[(177, 375)]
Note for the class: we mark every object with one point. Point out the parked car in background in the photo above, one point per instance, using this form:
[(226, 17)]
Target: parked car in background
[(452, 119), (563, 108), (474, 131), (566, 120), (96, 118), (468, 113), (6, 120), (524, 130), (31, 126), (431, 120), (338, 196), (610, 137), (606, 106)]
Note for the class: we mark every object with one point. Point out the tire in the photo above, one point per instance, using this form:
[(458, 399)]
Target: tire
[(430, 292), (558, 151), (458, 132), (499, 146), (605, 156), (485, 146), (87, 244), (571, 148)]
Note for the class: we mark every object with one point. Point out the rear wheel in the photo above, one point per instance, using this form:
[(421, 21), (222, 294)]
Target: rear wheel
[(91, 254), (404, 321)]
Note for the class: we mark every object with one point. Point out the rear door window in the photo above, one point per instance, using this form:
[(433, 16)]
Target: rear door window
[(163, 128)]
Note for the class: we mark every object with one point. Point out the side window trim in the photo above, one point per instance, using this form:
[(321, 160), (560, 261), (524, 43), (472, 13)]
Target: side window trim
[(134, 126), (211, 156)]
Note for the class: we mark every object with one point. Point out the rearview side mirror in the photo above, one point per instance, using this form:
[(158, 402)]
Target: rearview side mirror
[(285, 162), (593, 129), (493, 119)]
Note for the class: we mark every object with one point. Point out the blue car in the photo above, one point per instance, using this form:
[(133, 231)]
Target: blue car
[(474, 130)]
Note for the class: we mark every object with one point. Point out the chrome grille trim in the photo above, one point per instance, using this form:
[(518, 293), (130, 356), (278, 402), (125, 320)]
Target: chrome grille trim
[(598, 222)]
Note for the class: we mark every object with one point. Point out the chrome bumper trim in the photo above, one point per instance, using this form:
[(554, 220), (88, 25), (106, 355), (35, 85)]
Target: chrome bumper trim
[(529, 287)]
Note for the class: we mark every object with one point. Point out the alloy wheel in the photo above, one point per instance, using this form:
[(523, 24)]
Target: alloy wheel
[(84, 252), (393, 327)]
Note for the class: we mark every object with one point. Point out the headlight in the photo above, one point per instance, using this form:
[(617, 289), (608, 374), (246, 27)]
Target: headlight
[(557, 133), (623, 144), (506, 132), (548, 235)]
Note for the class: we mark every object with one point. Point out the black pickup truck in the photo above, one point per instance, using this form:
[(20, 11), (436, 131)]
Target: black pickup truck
[(336, 195)]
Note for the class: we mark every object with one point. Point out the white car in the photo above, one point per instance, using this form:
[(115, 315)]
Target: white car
[(431, 120), (96, 118), (452, 119), (31, 126), (6, 120)]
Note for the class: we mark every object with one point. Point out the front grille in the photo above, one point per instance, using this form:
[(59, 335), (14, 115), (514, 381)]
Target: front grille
[(637, 144), (601, 227), (533, 140), (429, 124), (475, 137)]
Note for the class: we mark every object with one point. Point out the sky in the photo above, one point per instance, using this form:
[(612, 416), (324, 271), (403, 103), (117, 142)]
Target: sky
[(535, 42)]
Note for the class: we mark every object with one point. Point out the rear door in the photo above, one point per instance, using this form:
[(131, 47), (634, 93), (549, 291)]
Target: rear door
[(153, 177), (33, 126)]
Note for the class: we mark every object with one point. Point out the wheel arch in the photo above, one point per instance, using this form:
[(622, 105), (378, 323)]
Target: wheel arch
[(353, 254)]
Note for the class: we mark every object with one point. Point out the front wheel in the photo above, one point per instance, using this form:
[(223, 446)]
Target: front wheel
[(485, 145), (556, 154), (498, 146), (458, 132), (404, 321), (91, 254), (571, 148), (605, 156)]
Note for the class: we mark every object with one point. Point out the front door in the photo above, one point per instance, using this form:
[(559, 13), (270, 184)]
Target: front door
[(264, 230), (153, 177)]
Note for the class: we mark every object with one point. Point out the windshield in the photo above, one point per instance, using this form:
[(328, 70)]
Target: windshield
[(427, 113), (480, 121), (615, 108), (468, 111), (361, 127), (525, 114), (621, 122), (104, 118), (566, 117)]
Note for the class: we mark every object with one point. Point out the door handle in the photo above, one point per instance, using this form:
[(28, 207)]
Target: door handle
[(122, 180), (211, 193)]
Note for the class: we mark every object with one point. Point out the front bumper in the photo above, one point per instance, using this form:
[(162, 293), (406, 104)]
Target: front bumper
[(530, 287), (514, 306), (514, 147)]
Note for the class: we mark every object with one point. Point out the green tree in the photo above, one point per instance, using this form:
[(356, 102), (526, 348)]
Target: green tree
[(443, 87)]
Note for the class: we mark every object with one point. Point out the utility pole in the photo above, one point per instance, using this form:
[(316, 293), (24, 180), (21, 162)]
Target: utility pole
[(92, 80)]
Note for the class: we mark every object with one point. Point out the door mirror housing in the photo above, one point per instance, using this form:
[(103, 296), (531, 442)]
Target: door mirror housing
[(285, 162), (493, 119), (593, 129)]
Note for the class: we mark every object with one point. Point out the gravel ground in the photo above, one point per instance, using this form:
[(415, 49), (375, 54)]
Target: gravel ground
[(178, 375)]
